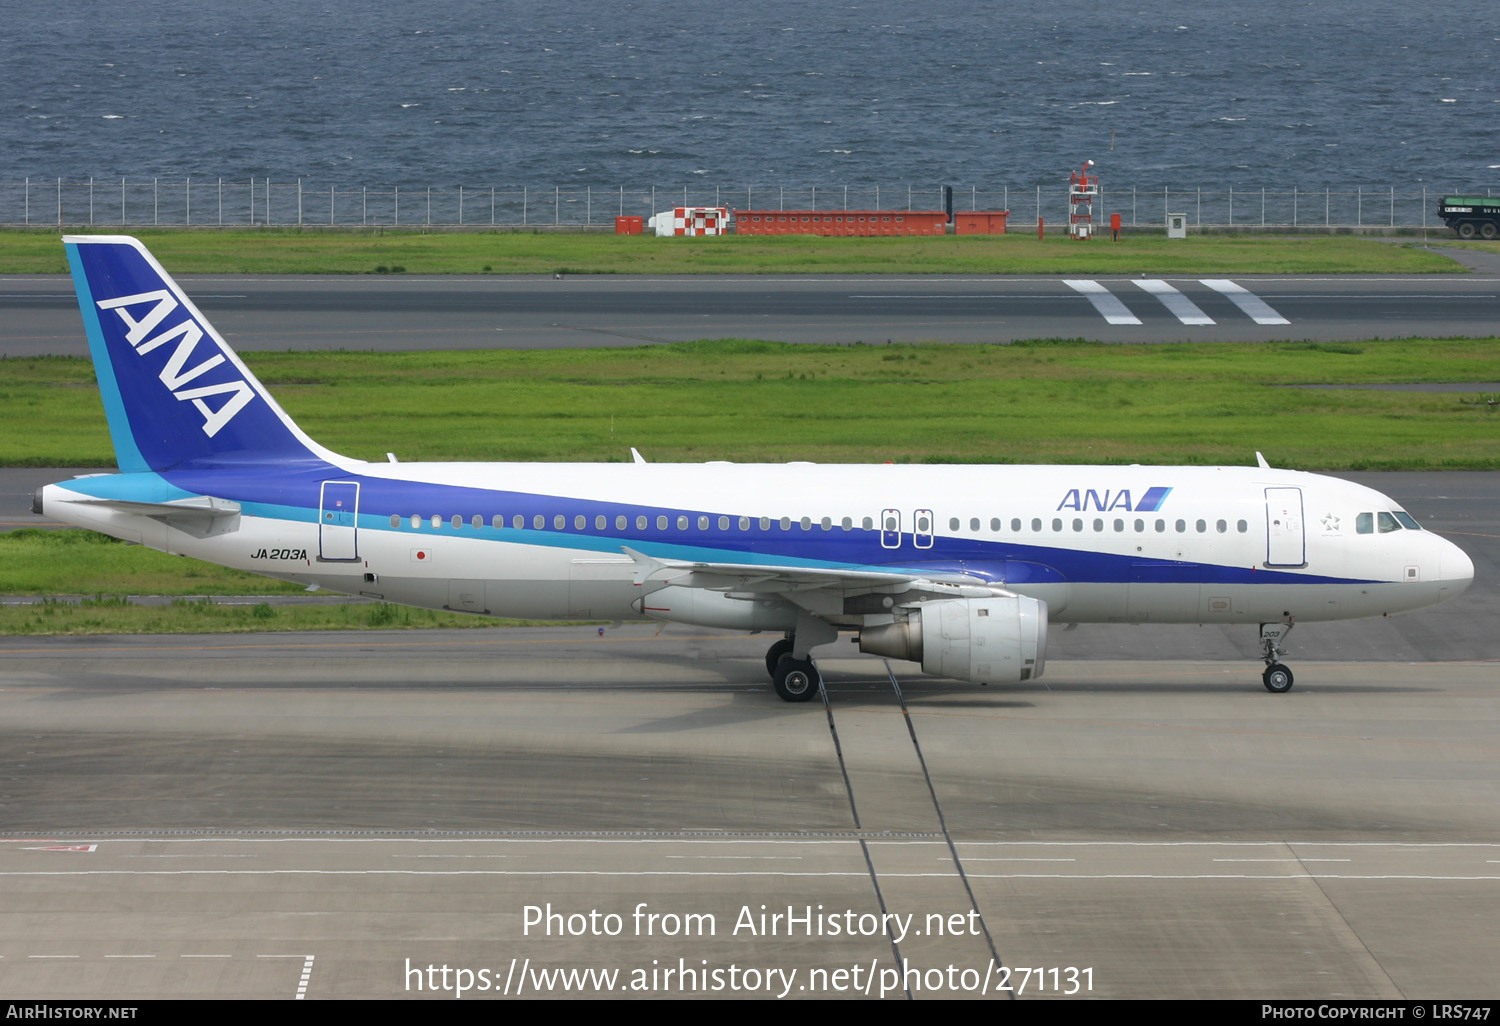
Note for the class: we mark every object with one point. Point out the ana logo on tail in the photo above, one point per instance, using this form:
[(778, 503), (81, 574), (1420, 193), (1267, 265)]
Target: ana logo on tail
[(173, 374)]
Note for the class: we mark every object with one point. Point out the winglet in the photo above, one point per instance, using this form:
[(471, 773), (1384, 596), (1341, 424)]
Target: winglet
[(1260, 461)]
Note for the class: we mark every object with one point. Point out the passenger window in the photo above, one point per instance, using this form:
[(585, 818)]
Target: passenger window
[(518, 521), (600, 522), (476, 521), (867, 524), (640, 523), (847, 524), (497, 520), (723, 523), (661, 522), (1098, 525), (1119, 525), (1221, 527), (1364, 523), (681, 522), (995, 524), (786, 523), (395, 519), (620, 522), (744, 523), (1386, 523), (1077, 524), (437, 520), (1242, 527), (1181, 526), (1056, 526), (1140, 526), (1036, 524), (457, 521), (539, 522), (559, 521), (806, 523), (1202, 526), (416, 521), (953, 523), (1015, 524), (1161, 527), (703, 523)]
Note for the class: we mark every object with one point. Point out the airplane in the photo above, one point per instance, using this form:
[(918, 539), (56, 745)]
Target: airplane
[(959, 568)]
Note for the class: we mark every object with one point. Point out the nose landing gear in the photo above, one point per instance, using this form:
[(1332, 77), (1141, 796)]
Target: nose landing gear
[(1277, 678)]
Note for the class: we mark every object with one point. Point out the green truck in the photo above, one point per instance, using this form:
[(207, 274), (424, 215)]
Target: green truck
[(1472, 217)]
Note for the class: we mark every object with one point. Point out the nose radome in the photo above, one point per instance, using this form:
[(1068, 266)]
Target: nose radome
[(1455, 570)]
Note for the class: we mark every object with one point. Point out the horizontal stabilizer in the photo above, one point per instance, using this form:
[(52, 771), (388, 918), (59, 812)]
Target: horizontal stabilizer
[(197, 508)]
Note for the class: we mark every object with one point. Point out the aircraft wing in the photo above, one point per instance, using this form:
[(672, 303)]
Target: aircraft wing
[(789, 581)]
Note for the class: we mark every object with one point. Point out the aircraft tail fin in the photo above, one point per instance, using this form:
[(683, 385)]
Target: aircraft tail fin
[(175, 394)]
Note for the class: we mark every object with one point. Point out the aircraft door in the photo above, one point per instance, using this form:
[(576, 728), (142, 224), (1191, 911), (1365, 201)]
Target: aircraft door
[(890, 528), (338, 518), (921, 528), (1286, 543)]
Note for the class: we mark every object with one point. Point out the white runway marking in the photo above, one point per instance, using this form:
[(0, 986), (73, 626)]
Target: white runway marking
[(1257, 309), (1108, 305), (1183, 308), (306, 972)]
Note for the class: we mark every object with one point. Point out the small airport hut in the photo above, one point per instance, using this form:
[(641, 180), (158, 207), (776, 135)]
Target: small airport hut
[(1176, 226), (691, 221)]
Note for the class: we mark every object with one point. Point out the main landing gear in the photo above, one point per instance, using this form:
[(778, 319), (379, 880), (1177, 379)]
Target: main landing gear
[(1277, 678), (796, 679)]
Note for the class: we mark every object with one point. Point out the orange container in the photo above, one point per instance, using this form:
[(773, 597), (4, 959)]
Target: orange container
[(979, 222), (840, 222), (630, 225)]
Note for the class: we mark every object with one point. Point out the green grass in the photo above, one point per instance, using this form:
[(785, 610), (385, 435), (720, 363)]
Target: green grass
[(362, 252), (1045, 402), (40, 561), (114, 615)]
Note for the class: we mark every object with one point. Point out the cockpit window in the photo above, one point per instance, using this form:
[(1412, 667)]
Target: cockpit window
[(1364, 523), (1386, 522), (1406, 520)]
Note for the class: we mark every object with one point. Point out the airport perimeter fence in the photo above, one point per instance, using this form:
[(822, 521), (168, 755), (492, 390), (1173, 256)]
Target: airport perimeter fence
[(210, 202)]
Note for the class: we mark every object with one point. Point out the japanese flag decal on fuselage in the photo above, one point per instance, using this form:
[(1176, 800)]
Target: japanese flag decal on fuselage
[(175, 394)]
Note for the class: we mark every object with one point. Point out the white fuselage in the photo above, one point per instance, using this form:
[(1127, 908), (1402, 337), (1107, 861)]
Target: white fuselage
[(1098, 544)]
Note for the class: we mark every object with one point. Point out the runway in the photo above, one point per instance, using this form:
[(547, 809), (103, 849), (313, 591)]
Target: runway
[(39, 315)]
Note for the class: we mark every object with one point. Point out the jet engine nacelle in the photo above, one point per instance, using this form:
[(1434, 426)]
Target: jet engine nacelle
[(999, 640)]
